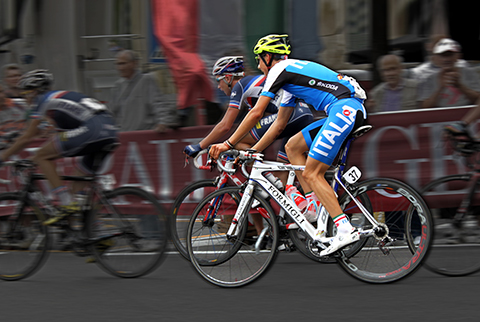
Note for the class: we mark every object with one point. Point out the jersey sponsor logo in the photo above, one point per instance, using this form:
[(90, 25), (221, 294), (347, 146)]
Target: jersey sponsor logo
[(266, 120), (340, 76), (64, 136), (326, 85), (311, 82), (233, 94)]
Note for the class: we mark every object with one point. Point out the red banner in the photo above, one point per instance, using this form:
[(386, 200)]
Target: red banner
[(176, 27), (403, 145)]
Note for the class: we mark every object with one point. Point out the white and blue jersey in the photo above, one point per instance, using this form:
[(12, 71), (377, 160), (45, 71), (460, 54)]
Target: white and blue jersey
[(340, 96)]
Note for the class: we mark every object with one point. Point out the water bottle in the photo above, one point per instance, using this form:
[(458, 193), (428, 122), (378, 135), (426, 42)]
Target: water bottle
[(276, 181), (76, 221), (80, 198), (293, 193)]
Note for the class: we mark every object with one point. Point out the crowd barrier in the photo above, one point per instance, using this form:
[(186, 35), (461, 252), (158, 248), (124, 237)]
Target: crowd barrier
[(404, 145)]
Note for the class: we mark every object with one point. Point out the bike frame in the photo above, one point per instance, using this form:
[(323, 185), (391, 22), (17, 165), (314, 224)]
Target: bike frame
[(257, 179), (32, 193)]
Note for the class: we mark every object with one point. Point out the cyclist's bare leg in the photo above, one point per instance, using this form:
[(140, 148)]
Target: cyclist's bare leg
[(314, 175), (45, 159), (296, 148)]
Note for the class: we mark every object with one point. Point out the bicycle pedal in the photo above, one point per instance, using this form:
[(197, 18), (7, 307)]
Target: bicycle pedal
[(383, 247)]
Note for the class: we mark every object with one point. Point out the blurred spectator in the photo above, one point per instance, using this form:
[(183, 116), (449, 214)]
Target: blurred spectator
[(396, 92), (12, 117), (11, 76), (136, 101), (450, 85), (431, 66)]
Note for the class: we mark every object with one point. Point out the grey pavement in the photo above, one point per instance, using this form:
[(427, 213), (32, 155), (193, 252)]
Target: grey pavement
[(67, 289)]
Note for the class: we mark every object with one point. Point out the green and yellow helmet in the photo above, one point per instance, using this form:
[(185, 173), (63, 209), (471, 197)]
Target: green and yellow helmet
[(274, 44)]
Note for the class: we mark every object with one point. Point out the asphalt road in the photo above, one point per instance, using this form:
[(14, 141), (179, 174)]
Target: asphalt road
[(67, 289)]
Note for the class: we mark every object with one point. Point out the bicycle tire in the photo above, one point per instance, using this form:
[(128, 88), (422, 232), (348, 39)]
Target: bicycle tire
[(182, 209), (24, 250), (409, 224), (455, 250), (129, 232), (230, 262)]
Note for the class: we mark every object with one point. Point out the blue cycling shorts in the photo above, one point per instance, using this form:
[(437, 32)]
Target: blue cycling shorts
[(300, 118), (325, 137), (86, 142)]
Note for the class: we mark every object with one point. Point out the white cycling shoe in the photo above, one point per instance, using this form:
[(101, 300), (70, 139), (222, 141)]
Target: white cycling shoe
[(340, 241)]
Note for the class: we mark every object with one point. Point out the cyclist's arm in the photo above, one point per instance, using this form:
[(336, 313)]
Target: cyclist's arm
[(275, 129), (252, 118), (221, 128), (23, 141)]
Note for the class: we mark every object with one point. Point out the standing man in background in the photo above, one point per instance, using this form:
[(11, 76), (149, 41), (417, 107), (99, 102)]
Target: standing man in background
[(136, 101), (396, 92)]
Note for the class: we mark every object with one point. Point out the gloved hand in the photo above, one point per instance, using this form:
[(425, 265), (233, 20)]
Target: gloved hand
[(192, 150), (456, 128)]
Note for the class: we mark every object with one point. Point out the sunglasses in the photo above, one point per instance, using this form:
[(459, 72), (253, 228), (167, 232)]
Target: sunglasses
[(260, 57), (220, 78)]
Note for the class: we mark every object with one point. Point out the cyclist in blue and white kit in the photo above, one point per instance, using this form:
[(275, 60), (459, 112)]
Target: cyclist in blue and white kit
[(84, 127), (338, 95), (244, 92)]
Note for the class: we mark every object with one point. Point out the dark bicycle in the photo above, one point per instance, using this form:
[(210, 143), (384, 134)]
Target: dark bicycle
[(454, 201), (124, 230)]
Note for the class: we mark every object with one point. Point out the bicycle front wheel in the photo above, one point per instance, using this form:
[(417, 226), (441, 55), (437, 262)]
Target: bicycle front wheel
[(128, 232), (182, 210), (399, 247), (455, 249), (228, 261), (24, 241)]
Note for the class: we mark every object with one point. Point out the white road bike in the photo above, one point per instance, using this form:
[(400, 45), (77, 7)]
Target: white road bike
[(393, 220)]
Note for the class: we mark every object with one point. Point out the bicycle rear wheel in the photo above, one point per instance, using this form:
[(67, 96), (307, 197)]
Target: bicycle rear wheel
[(399, 248), (24, 241), (230, 261), (182, 210), (455, 250), (129, 232)]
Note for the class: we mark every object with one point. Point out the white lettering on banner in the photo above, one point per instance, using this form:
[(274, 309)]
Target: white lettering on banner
[(134, 162), (437, 152), (438, 158), (165, 180)]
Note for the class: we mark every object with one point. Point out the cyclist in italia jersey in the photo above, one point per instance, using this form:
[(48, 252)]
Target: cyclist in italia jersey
[(244, 92), (338, 95), (84, 127)]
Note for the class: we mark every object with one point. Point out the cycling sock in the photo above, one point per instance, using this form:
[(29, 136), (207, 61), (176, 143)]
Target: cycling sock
[(63, 195), (342, 224)]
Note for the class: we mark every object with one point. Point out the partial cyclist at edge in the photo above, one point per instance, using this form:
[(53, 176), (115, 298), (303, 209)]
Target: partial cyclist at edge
[(244, 92), (340, 96), (84, 127)]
